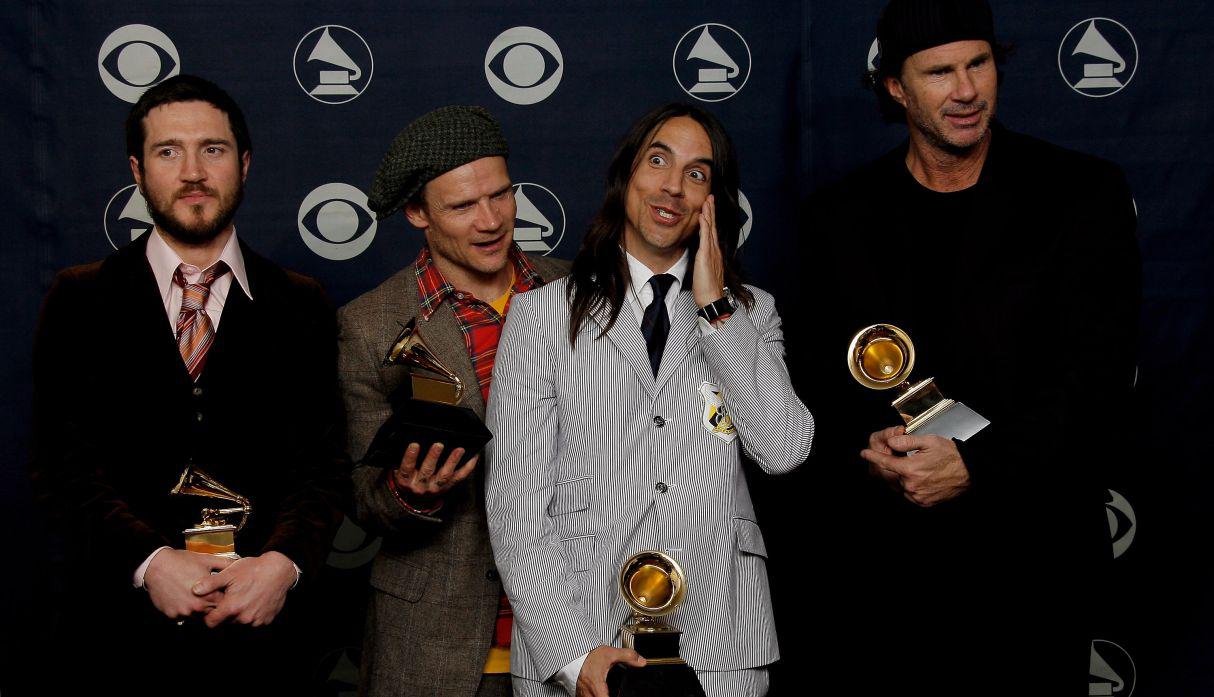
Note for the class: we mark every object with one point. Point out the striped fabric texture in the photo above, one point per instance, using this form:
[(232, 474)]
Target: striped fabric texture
[(594, 459), (194, 331)]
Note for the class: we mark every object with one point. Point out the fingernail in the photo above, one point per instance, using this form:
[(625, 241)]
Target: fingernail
[(414, 447), (197, 588)]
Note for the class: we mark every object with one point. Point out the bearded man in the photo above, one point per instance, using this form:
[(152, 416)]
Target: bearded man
[(168, 355)]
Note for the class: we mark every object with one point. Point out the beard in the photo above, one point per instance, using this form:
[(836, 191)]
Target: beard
[(938, 136), (196, 230)]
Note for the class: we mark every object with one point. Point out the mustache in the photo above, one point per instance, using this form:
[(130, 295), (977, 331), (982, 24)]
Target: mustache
[(978, 106), (194, 189)]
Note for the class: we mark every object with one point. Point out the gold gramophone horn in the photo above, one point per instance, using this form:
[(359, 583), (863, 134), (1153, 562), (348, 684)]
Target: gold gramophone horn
[(409, 349), (652, 583), (196, 482), (881, 356)]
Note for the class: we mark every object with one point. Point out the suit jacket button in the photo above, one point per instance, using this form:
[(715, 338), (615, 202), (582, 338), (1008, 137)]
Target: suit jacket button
[(198, 416), (491, 574), (658, 422), (661, 487), (197, 391)]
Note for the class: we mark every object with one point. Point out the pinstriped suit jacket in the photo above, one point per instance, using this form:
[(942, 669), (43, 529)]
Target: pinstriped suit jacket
[(584, 474)]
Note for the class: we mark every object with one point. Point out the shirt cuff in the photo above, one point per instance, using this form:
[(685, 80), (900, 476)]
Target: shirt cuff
[(567, 677), (137, 579)]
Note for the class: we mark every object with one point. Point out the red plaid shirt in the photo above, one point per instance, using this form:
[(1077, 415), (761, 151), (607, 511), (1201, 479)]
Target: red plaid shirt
[(481, 326)]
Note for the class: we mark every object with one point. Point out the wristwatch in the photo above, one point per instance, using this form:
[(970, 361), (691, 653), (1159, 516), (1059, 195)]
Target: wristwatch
[(726, 305)]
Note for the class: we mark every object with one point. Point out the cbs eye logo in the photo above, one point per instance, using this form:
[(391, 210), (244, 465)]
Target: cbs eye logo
[(748, 218), (352, 547), (335, 223), (524, 65), (135, 57), (1123, 524)]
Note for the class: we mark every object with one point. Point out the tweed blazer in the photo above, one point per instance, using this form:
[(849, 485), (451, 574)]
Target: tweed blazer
[(594, 459), (434, 586)]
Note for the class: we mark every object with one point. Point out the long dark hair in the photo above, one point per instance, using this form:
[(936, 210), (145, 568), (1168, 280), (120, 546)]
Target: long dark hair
[(599, 277)]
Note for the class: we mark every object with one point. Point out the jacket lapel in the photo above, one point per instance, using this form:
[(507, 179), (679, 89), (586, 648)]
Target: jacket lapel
[(146, 326), (626, 335), (441, 333)]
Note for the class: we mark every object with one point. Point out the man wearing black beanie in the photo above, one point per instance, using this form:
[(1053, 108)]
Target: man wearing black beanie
[(969, 567)]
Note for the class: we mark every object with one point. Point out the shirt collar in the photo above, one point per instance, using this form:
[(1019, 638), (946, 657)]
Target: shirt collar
[(433, 289), (164, 261), (640, 273)]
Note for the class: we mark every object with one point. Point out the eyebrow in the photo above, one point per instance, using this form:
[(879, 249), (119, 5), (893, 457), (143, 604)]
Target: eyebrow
[(980, 58), (662, 146), (466, 202), (178, 142)]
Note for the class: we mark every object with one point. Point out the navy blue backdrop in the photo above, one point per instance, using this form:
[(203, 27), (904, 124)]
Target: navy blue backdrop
[(326, 85)]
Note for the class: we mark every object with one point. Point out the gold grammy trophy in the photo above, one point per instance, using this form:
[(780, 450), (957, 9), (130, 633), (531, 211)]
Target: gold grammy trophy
[(654, 585), (424, 407), (881, 357), (215, 534)]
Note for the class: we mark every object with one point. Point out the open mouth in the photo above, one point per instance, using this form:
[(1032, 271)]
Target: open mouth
[(491, 245), (664, 215)]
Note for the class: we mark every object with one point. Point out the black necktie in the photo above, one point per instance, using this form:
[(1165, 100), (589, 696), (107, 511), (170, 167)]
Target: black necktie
[(655, 325)]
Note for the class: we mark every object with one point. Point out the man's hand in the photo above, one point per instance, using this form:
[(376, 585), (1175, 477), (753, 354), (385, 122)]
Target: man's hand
[(254, 589), (592, 681), (709, 276), (171, 575), (934, 473), (423, 481), (879, 442)]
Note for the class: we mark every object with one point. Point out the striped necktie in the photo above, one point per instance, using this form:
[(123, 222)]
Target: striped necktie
[(194, 331)]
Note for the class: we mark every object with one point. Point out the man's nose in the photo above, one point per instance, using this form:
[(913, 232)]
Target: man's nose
[(192, 169), (488, 217)]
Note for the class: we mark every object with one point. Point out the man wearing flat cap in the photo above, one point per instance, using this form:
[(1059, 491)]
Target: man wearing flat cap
[(438, 622), (967, 567)]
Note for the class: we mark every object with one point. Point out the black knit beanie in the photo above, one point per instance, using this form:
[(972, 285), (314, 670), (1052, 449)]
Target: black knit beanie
[(909, 26)]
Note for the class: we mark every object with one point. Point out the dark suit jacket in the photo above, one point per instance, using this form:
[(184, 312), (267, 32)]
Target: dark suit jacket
[(435, 588), (117, 419)]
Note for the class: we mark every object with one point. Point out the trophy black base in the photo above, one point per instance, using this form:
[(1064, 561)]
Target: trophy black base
[(427, 423), (662, 680)]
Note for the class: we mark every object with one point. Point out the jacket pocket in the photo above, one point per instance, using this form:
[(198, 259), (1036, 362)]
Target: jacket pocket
[(580, 552), (750, 537), (399, 578), (570, 496)]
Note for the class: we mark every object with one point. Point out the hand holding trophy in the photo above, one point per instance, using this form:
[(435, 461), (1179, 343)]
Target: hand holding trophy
[(881, 357), (654, 585), (424, 407)]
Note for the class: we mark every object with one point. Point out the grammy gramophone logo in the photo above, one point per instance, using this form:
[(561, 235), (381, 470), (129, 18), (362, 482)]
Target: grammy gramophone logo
[(1098, 57), (333, 64), (712, 62), (539, 218)]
